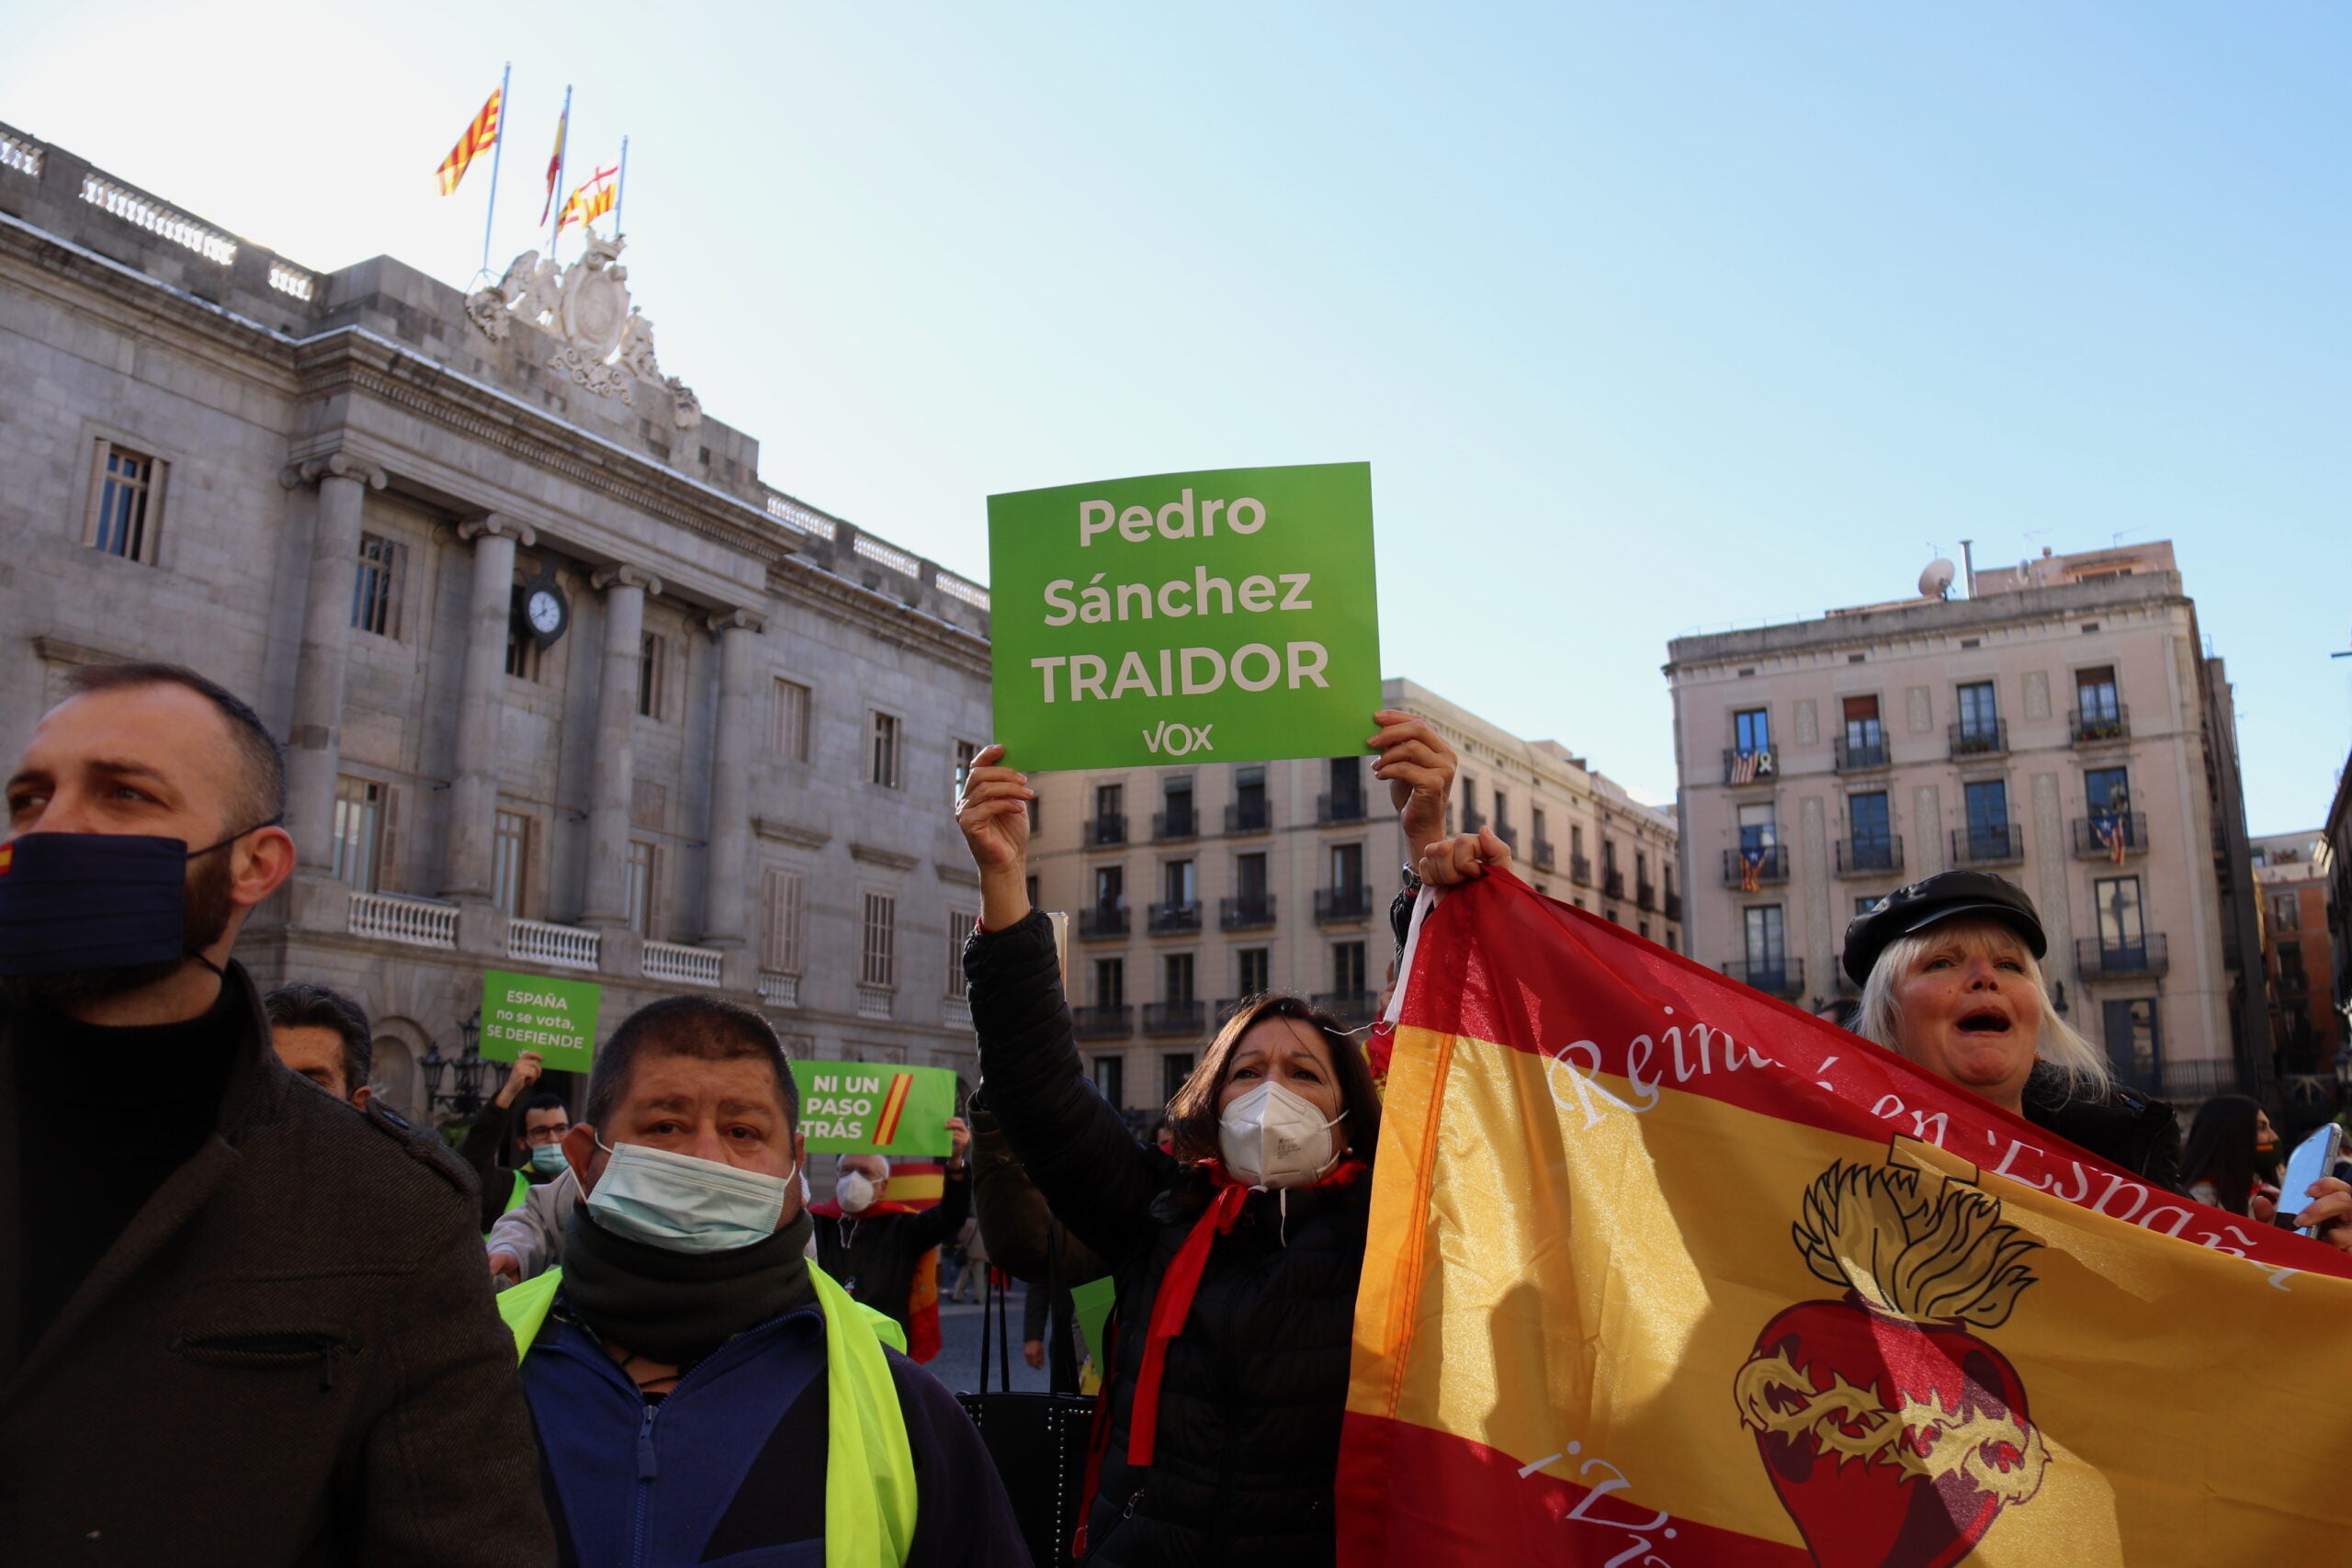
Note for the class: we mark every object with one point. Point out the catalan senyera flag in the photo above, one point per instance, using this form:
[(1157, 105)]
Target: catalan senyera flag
[(1663, 1273), (588, 200), (479, 137)]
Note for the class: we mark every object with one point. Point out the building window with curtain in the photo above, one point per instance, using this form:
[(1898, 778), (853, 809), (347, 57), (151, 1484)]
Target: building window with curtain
[(358, 831)]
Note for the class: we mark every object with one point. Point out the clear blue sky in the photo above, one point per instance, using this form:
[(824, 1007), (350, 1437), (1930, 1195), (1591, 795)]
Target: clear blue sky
[(1646, 316)]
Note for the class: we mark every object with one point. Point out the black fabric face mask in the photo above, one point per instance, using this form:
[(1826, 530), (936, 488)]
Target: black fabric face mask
[(78, 903)]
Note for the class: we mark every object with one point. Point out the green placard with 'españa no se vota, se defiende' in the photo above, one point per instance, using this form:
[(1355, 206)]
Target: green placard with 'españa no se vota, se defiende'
[(536, 1012)]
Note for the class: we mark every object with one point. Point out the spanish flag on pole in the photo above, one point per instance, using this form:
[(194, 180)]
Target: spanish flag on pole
[(481, 136), (590, 200), (1663, 1273)]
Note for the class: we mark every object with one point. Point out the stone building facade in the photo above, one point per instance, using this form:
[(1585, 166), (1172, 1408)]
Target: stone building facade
[(2061, 726), (720, 762), (2298, 957), (1188, 887)]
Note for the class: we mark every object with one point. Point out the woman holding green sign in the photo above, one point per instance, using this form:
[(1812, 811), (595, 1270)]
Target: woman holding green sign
[(1237, 1251)]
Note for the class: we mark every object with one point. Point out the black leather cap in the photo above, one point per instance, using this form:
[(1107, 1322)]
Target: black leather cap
[(1942, 897)]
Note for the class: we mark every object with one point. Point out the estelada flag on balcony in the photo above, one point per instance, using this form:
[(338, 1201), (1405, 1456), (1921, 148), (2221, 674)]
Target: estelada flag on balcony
[(1663, 1273), (591, 199), (481, 136)]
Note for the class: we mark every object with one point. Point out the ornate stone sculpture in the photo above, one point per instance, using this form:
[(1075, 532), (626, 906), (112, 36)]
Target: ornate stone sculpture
[(604, 344)]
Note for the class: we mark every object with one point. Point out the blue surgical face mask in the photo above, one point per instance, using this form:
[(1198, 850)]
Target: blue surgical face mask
[(82, 903), (684, 1204), (546, 1158)]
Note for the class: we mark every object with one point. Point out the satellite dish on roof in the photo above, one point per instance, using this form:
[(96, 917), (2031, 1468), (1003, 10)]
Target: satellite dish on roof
[(1936, 582)]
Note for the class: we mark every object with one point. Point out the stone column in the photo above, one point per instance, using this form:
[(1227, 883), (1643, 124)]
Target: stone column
[(314, 750), (723, 922), (624, 588), (473, 785)]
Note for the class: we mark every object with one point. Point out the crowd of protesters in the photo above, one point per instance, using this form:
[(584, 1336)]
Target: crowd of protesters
[(249, 1315)]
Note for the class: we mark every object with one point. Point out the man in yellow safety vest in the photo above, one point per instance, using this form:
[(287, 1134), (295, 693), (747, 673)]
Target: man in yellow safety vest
[(699, 1388)]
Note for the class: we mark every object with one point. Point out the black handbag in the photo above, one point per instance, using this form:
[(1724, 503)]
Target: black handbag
[(1039, 1440)]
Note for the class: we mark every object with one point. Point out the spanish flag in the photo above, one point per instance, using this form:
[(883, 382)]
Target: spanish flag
[(1663, 1273), (591, 199), (481, 136)]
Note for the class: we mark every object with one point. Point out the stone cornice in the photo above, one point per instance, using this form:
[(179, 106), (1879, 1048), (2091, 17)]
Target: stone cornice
[(873, 854), (57, 650), (789, 833), (961, 875), (879, 615)]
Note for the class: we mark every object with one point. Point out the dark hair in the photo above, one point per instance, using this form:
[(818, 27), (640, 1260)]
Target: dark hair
[(265, 760), (1193, 1111), (304, 1005), (543, 1101), (2221, 1150), (701, 1027)]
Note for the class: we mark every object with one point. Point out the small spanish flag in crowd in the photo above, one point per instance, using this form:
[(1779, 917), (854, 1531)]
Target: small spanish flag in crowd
[(481, 136), (591, 199)]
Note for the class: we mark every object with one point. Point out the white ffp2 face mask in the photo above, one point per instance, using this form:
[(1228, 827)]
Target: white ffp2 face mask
[(682, 1203), (1272, 1136), (853, 1191)]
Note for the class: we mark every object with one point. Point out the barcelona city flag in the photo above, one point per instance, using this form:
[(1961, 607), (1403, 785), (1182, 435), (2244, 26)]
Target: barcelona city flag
[(1663, 1273), (481, 136), (590, 200)]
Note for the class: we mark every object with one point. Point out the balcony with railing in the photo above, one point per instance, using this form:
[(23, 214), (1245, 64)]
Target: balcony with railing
[(2001, 843), (873, 1001), (1646, 895), (1354, 1008), (1509, 835), (1113, 1023), (1858, 756), (1335, 809), (1541, 856), (1870, 857), (679, 964), (1673, 905), (1472, 820), (2093, 727), (1167, 920), (1333, 905), (1249, 815), (1580, 869), (1246, 913), (2099, 959), (1759, 865), (2116, 836), (779, 990), (1175, 1018), (1782, 977), (1169, 827), (1754, 764), (395, 917), (1100, 832), (1103, 921), (1613, 884), (1980, 738), (561, 947), (2177, 1081)]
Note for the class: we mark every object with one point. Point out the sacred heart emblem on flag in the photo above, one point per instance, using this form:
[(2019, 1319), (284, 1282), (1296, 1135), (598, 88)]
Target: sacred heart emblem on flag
[(1894, 1435)]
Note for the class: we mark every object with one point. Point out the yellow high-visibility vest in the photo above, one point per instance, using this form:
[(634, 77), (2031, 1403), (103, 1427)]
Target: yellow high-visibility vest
[(869, 1467)]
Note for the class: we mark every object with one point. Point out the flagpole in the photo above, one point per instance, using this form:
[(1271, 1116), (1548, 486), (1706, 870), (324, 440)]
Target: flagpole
[(562, 163), (620, 193), (497, 156)]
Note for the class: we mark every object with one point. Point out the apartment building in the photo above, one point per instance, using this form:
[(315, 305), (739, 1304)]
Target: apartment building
[(566, 687), (2061, 724), (1193, 887), (2298, 956)]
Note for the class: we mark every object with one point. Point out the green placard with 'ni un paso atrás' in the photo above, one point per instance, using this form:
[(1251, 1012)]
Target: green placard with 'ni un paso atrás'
[(859, 1107), (1227, 617), (534, 1012)]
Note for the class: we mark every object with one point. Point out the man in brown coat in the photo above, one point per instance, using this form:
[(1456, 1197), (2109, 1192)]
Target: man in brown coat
[(240, 1321)]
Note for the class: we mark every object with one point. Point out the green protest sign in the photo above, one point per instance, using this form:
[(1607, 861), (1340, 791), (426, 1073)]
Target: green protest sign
[(1227, 617), (858, 1108), (532, 1012)]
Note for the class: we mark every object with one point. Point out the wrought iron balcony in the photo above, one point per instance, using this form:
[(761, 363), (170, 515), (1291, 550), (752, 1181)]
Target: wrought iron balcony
[(1870, 857), (1472, 821), (2093, 727), (1580, 869), (1354, 1009), (1764, 863), (1248, 912), (1981, 737), (1249, 815), (1332, 809), (1540, 854), (1646, 895), (2099, 959), (1509, 835), (2116, 836), (1613, 884), (1113, 1023), (1859, 756), (2184, 1081), (1175, 1018), (1102, 920), (1169, 826), (1102, 831), (1336, 904), (1782, 977), (1753, 765), (1673, 906), (2001, 844), (1168, 918)]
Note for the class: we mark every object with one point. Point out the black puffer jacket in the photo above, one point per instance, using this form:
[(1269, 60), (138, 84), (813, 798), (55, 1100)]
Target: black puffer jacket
[(2122, 1126), (1247, 1438)]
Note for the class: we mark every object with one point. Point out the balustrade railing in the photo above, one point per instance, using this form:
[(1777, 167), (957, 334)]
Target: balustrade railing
[(676, 962), (563, 947), (394, 917)]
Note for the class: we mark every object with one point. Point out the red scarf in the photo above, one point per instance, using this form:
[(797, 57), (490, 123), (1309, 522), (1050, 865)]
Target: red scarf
[(922, 1294)]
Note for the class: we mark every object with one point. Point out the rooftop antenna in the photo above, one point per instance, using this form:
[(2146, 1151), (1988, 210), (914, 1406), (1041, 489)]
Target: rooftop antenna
[(2116, 539), (1968, 561)]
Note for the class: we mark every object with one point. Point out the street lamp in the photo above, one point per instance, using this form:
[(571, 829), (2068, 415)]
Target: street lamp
[(462, 1074)]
